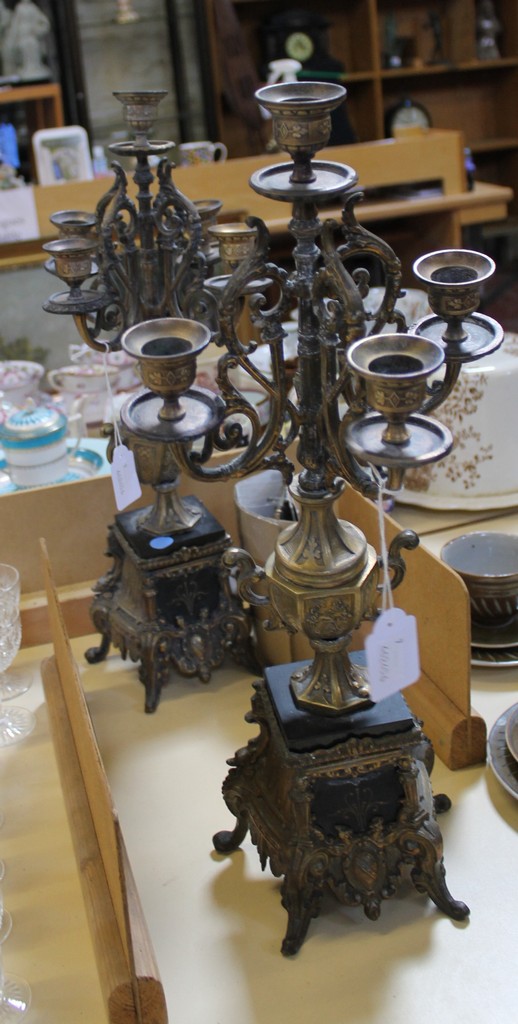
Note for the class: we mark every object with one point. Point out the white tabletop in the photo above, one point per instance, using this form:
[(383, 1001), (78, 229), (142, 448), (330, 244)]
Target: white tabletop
[(217, 922)]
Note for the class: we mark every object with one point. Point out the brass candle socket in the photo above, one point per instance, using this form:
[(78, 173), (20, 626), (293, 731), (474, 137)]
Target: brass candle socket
[(301, 118), (394, 369), (140, 110), (208, 210), (236, 241), (453, 279), (73, 223), (166, 350), (72, 264)]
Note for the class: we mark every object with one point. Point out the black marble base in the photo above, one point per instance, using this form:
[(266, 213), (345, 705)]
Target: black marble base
[(206, 531), (304, 731)]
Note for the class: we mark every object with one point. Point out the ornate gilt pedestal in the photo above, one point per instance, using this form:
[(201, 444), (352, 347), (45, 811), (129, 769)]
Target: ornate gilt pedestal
[(171, 608), (344, 804)]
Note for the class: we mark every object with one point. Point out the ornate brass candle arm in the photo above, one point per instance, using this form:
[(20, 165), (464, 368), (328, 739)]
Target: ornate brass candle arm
[(150, 258)]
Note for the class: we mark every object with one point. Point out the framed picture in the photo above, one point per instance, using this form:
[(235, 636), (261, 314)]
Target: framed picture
[(62, 154)]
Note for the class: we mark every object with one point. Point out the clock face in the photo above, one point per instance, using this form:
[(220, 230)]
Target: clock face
[(299, 46), (408, 114)]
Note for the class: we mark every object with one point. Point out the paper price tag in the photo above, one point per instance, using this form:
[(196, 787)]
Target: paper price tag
[(392, 652), (126, 483)]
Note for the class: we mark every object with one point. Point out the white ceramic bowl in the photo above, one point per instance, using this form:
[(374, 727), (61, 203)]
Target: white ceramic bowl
[(482, 413)]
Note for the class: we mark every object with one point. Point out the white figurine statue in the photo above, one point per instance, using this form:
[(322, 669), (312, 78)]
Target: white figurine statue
[(488, 28), (23, 47)]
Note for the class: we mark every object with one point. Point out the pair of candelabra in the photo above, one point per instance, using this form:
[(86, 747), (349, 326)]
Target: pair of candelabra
[(360, 400)]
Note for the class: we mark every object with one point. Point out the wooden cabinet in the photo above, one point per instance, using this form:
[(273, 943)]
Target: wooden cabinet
[(42, 102), (439, 69), (31, 107)]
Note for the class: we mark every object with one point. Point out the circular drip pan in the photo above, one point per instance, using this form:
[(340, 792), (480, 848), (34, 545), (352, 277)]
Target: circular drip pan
[(330, 180), (203, 412), (428, 441), (153, 148), (64, 302), (484, 336)]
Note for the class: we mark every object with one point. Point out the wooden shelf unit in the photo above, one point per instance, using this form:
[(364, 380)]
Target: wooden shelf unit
[(43, 102), (462, 92), (43, 108)]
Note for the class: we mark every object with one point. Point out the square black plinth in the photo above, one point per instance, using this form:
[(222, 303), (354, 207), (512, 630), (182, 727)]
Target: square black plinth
[(304, 731), (206, 531)]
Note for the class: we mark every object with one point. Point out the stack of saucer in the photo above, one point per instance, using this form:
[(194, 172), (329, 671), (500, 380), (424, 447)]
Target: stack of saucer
[(495, 646), (502, 749), (487, 562)]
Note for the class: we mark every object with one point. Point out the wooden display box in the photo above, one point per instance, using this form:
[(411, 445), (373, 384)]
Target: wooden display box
[(73, 519)]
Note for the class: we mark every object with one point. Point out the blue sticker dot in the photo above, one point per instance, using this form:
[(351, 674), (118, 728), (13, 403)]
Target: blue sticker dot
[(161, 542)]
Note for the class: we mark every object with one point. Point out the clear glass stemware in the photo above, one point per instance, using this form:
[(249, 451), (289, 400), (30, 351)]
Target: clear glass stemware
[(15, 993), (12, 683), (15, 722)]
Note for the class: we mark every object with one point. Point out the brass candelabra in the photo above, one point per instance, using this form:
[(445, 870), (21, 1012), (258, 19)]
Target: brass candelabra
[(363, 398)]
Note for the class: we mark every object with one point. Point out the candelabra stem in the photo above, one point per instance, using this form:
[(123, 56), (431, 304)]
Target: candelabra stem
[(305, 226), (330, 683)]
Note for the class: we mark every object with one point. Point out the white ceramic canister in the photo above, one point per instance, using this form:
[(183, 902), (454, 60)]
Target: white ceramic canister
[(482, 413), (34, 440)]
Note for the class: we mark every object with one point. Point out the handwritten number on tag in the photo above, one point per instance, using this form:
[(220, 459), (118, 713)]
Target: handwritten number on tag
[(126, 484), (392, 653)]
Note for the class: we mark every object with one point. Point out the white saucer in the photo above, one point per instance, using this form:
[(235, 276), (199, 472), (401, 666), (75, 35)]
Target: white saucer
[(458, 502), (83, 463)]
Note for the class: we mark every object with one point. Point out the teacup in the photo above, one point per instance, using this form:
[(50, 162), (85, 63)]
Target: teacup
[(488, 564), (82, 378), (203, 152), (19, 379), (128, 377)]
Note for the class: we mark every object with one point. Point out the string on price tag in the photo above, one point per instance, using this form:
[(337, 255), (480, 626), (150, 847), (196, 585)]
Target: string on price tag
[(126, 484), (392, 648)]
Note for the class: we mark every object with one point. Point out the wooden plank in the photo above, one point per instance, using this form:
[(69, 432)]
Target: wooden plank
[(110, 956), (128, 972), (432, 156)]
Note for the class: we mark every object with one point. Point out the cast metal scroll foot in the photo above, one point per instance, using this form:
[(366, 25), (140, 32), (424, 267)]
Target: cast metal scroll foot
[(429, 876), (440, 895), (227, 841), (95, 654), (441, 803), (301, 905)]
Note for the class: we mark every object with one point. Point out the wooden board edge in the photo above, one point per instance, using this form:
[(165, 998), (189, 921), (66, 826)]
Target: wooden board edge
[(458, 739), (112, 966)]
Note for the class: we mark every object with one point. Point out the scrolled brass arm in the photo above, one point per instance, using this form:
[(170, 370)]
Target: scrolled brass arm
[(404, 539), (247, 575)]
